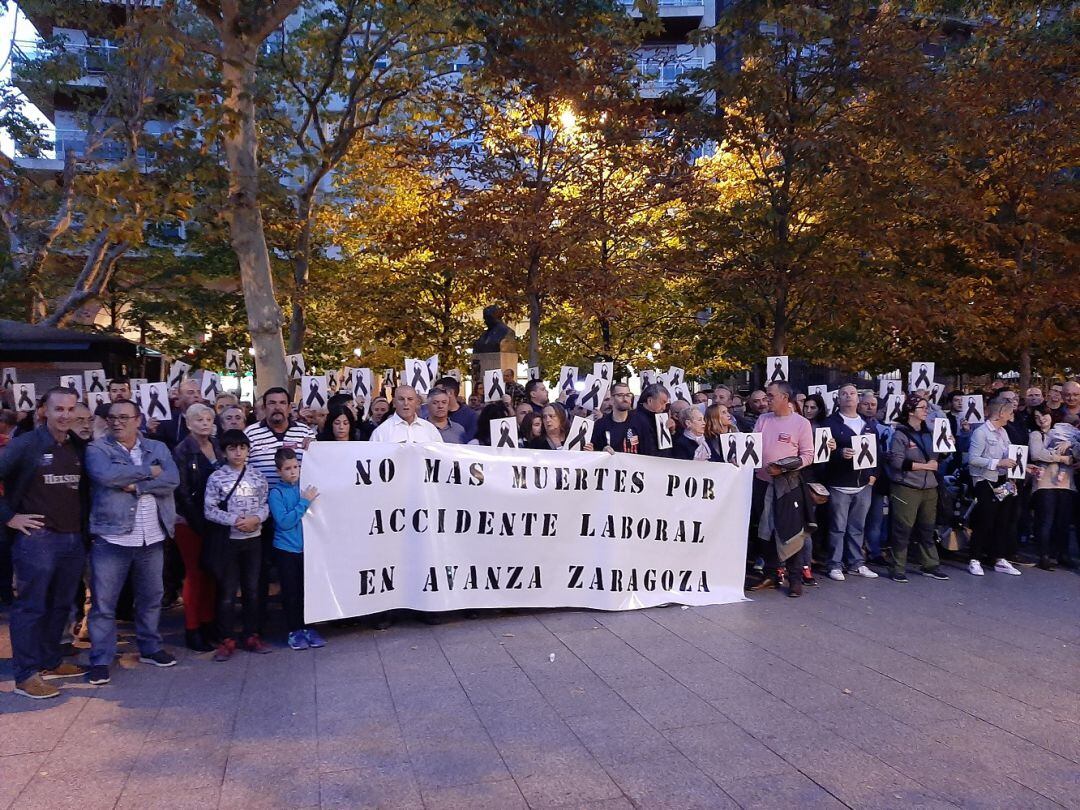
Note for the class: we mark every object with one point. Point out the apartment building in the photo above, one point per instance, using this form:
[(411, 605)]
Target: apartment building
[(670, 52)]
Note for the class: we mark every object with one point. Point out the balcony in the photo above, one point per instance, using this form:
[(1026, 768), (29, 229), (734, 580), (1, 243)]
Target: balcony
[(658, 76), (59, 141), (86, 60), (678, 16)]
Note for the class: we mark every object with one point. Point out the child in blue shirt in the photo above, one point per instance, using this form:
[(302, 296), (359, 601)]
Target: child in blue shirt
[(287, 506)]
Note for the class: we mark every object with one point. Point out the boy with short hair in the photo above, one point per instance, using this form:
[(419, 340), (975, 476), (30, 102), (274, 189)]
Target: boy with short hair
[(236, 497), (288, 503)]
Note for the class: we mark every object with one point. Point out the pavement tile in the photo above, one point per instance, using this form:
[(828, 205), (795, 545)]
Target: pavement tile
[(671, 706), (17, 770), (619, 737), (790, 789), (566, 782), (669, 782), (197, 799), (30, 725), (169, 766), (483, 796), (724, 752), (391, 786), (497, 683), (452, 749)]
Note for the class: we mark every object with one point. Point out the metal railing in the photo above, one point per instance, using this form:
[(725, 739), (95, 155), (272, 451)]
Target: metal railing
[(59, 141), (90, 59), (659, 73)]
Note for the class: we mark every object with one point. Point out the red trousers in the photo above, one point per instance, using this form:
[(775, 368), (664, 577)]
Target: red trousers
[(199, 596)]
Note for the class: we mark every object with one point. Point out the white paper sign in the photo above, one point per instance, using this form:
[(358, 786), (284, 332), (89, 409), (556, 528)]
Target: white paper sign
[(675, 376), (11, 376), (829, 398), (776, 369), (154, 401), (568, 379), (936, 390), (363, 383), (462, 547), (922, 376), (817, 389), (177, 371), (1019, 454), (973, 409), (417, 375), (604, 371), (648, 377), (580, 433), (433, 368), (893, 405), (865, 448), (208, 384), (94, 380), (534, 372), (889, 387), (24, 395), (822, 437), (75, 383), (504, 433), (593, 391), (233, 363), (663, 434), (294, 364), (731, 445), (96, 399), (494, 388), (750, 450), (944, 441), (681, 393), (312, 392)]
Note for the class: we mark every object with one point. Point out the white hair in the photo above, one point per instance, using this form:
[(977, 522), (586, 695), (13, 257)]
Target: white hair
[(196, 409)]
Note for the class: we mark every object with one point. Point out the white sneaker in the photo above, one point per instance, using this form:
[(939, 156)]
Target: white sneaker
[(975, 568), (863, 571), (837, 574), (1005, 567)]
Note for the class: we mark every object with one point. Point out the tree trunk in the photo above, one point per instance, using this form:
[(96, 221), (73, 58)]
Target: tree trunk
[(1025, 370), (532, 295), (265, 318), (301, 271), (780, 323)]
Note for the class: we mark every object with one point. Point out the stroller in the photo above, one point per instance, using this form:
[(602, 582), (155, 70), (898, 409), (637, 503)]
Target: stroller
[(956, 502)]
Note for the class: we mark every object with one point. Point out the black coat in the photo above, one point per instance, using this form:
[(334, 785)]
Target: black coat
[(194, 469), (19, 461), (685, 448)]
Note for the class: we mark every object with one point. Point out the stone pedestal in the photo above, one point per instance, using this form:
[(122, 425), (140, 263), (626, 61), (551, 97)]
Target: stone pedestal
[(486, 361)]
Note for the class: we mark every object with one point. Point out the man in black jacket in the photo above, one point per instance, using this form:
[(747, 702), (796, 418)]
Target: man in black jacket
[(613, 430), (850, 490), (44, 506), (653, 401)]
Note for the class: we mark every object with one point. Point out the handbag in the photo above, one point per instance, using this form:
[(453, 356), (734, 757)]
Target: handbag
[(215, 548)]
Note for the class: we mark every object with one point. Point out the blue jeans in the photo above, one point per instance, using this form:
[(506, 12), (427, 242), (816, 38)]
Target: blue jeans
[(47, 570), (110, 565), (847, 517), (877, 524)]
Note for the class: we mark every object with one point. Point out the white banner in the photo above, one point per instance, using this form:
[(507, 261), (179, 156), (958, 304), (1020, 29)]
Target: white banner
[(446, 527)]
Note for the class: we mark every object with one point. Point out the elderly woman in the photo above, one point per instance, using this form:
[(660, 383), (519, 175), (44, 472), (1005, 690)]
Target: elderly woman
[(690, 442), (196, 456), (556, 426)]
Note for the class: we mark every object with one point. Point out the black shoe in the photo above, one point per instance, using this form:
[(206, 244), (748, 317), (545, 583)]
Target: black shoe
[(901, 577), (210, 634), (194, 640), (1023, 560), (98, 675), (161, 658), (1046, 564), (936, 573)]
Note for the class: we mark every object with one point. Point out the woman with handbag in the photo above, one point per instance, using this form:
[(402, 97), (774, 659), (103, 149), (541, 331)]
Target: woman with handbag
[(197, 456)]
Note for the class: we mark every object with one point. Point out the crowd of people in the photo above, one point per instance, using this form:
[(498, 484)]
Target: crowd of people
[(108, 511)]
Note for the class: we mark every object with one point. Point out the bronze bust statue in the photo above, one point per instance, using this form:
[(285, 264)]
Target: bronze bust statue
[(499, 337)]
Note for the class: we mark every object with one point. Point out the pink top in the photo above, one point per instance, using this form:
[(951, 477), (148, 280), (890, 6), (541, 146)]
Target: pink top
[(784, 436)]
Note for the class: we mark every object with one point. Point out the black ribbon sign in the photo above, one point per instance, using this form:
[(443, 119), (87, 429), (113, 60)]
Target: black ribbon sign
[(894, 416), (1019, 462), (674, 378), (504, 436), (943, 442), (580, 439), (972, 410), (95, 382), (568, 383), (177, 378), (923, 380), (24, 399), (9, 380), (778, 372), (594, 395), (419, 380), (314, 394), (495, 390), (360, 385), (865, 454), (155, 404), (750, 451), (732, 450), (296, 371), (823, 448)]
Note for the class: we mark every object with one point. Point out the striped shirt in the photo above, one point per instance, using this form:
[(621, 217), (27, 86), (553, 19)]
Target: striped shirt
[(147, 529), (265, 442)]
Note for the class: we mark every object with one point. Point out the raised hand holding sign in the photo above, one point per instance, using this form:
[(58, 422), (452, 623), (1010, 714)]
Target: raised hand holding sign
[(154, 401), (494, 390), (944, 442), (776, 369), (822, 437), (1019, 454), (865, 448), (578, 437)]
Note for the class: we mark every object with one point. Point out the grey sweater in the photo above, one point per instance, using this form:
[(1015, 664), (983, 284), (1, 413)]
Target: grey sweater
[(250, 498)]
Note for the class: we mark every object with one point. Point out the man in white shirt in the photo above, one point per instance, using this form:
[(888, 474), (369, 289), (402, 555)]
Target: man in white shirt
[(404, 425)]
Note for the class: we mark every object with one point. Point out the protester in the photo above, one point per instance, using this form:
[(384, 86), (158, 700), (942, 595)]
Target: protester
[(556, 427), (756, 405), (850, 489), (532, 428), (1069, 411), (232, 417), (1054, 490), (133, 480), (340, 426), (876, 531), (989, 462), (438, 409), (277, 429), (173, 431), (1055, 397), (691, 443), (652, 402), (813, 408), (718, 422), (197, 456), (225, 400), (288, 505), (43, 503), (536, 394), (464, 416), (613, 429), (493, 410), (511, 386), (405, 426), (236, 498), (380, 407)]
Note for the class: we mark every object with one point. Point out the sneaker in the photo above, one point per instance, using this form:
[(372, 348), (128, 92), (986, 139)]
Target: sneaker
[(224, 650), (975, 568), (314, 639), (1003, 566), (1023, 560), (837, 575), (936, 573), (254, 644), (62, 671), (864, 572), (759, 565), (99, 675), (901, 577), (298, 640), (36, 688), (808, 577), (161, 658)]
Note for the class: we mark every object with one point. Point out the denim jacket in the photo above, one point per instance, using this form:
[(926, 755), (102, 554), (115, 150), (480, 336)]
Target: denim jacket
[(112, 509), (988, 447)]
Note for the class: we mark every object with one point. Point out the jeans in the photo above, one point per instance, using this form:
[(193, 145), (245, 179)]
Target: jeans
[(847, 519), (290, 567), (913, 514), (47, 570), (1053, 509), (110, 565), (6, 570), (993, 524), (241, 569), (876, 530)]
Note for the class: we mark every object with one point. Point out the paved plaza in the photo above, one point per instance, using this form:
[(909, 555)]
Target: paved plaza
[(863, 693)]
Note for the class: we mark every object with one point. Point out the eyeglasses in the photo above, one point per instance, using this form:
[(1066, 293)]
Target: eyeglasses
[(119, 418)]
